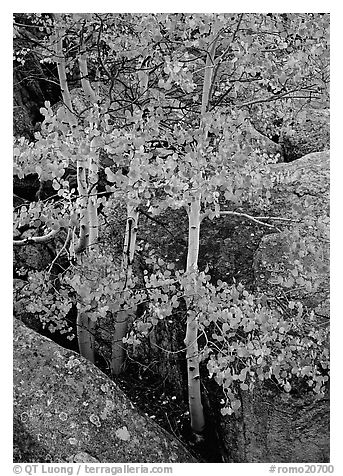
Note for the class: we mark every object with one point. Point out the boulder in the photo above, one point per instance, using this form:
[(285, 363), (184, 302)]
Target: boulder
[(32, 256), (67, 410), (271, 426), (276, 428), (308, 132), (301, 194), (271, 149)]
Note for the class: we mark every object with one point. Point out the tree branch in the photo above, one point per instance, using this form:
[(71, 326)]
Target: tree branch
[(220, 58), (37, 239), (256, 219), (68, 238)]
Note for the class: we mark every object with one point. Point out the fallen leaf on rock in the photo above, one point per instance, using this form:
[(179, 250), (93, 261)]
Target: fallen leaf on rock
[(123, 434)]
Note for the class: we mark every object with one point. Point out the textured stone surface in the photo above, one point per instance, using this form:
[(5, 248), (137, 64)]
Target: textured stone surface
[(309, 132), (34, 257), (65, 409), (304, 178), (279, 429), (301, 194), (288, 428)]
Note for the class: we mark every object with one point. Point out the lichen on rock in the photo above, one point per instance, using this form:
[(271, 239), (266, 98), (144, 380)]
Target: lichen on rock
[(65, 407)]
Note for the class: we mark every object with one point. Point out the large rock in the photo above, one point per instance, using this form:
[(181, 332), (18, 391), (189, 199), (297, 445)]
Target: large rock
[(35, 257), (272, 427), (301, 194), (272, 149), (308, 132), (275, 428), (67, 410)]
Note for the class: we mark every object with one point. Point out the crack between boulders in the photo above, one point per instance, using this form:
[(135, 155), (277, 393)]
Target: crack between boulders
[(300, 195)]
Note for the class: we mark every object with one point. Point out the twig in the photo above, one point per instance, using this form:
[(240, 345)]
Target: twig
[(61, 250), (276, 218), (180, 350), (222, 56), (255, 219), (172, 429)]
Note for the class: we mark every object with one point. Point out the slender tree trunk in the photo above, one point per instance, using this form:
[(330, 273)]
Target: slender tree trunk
[(85, 83), (91, 214), (191, 341), (122, 318), (118, 349), (194, 216), (87, 201), (92, 206), (82, 202), (85, 336), (61, 68)]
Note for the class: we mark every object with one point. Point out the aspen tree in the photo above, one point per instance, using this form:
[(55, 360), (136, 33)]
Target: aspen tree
[(87, 178), (122, 317), (194, 221)]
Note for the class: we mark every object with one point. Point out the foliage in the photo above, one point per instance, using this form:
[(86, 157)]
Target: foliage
[(50, 301), (143, 129), (244, 339)]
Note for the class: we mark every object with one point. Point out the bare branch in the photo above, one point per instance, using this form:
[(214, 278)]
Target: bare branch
[(275, 97), (65, 244), (37, 239), (256, 219), (220, 59)]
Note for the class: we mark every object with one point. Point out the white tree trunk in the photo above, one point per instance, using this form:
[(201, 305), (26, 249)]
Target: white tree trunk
[(88, 218), (194, 216), (191, 341), (92, 206), (122, 318)]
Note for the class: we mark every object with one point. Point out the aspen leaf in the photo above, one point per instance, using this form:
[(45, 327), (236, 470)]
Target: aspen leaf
[(241, 352), (236, 404), (289, 282), (226, 411), (300, 280), (97, 141), (39, 170), (308, 286), (56, 185), (111, 177), (306, 370), (123, 434)]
